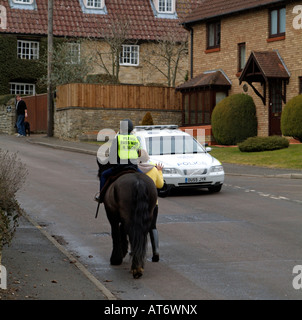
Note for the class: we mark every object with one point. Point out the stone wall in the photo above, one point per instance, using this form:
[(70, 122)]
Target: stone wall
[(85, 123), (8, 118)]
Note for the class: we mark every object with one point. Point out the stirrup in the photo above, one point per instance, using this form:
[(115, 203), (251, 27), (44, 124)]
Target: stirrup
[(97, 197)]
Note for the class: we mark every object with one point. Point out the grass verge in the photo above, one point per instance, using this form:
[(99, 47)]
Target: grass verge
[(290, 158)]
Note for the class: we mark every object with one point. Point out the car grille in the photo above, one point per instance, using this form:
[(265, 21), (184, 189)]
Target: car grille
[(194, 172), (198, 184)]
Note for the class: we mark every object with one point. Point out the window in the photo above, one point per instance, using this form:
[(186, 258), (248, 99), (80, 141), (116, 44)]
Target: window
[(241, 56), (198, 106), (28, 50), (164, 9), (94, 4), (23, 4), (165, 6), (213, 35), (3, 18), (23, 1), (22, 88), (75, 53), (129, 55), (277, 22)]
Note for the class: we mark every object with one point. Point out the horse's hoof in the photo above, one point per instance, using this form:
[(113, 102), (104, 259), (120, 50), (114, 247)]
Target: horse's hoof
[(116, 262), (155, 258), (137, 273)]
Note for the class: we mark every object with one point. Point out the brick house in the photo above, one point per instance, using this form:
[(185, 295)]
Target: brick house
[(24, 24), (250, 47)]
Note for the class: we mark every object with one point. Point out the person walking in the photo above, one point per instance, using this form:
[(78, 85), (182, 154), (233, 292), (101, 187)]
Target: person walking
[(21, 115)]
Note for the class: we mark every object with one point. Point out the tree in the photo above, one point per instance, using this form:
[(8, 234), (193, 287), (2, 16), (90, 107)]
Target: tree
[(166, 54), (68, 64), (108, 56)]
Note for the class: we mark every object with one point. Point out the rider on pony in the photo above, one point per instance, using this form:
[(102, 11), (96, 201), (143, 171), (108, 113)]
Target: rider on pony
[(123, 155)]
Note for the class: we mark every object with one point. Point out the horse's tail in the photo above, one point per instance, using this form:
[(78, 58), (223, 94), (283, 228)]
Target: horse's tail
[(141, 221)]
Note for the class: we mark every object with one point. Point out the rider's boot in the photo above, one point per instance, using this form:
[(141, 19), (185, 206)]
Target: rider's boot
[(154, 243)]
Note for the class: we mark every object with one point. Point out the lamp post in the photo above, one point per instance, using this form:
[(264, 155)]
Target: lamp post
[(50, 105)]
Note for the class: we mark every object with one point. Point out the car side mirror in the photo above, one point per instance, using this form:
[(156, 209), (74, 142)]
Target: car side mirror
[(208, 149)]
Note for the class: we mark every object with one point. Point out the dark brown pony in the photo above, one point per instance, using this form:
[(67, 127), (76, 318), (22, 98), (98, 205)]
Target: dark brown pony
[(129, 203)]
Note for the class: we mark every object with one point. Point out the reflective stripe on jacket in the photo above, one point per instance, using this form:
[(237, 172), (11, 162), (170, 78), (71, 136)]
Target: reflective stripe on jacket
[(128, 146)]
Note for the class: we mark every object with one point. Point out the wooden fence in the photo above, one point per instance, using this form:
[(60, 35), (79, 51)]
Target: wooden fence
[(118, 96)]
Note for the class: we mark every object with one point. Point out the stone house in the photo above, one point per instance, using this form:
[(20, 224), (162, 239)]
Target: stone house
[(24, 27), (250, 47)]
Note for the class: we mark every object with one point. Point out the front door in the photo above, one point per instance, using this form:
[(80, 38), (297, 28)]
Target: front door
[(275, 107)]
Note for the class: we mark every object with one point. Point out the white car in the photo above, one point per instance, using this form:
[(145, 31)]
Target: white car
[(186, 162)]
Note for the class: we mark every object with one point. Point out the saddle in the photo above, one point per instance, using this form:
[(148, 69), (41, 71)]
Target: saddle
[(116, 174)]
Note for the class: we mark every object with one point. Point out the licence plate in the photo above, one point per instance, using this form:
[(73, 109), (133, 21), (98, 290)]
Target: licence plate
[(195, 180)]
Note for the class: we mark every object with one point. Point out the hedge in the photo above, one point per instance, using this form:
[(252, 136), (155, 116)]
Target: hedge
[(258, 144)]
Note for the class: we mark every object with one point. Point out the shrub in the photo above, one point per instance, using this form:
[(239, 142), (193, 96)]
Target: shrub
[(234, 119), (147, 120), (291, 119), (12, 176), (257, 144)]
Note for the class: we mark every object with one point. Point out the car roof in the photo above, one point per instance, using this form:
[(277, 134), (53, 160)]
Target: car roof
[(159, 130)]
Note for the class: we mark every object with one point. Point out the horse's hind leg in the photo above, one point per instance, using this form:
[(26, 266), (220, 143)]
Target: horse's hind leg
[(117, 253), (154, 242), (124, 240), (154, 236)]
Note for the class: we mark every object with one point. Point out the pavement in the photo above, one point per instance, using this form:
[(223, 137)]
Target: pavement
[(57, 274)]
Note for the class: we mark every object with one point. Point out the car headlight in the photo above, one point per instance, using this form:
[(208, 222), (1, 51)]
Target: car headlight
[(216, 169), (169, 171)]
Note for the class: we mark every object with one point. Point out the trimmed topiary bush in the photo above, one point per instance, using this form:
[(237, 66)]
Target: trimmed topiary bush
[(257, 144), (234, 119), (291, 118), (147, 120)]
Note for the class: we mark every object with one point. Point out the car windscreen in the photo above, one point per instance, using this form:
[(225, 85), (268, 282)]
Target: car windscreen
[(165, 145)]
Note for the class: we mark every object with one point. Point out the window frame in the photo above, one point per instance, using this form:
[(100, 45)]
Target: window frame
[(198, 106), (93, 6), (22, 91), (77, 56), (240, 46), (217, 42), (23, 1), (278, 34), (123, 57), (3, 17), (31, 56), (164, 5)]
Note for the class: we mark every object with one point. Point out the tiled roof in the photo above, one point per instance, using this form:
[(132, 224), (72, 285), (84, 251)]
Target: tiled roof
[(270, 65), (206, 79), (214, 8), (69, 19)]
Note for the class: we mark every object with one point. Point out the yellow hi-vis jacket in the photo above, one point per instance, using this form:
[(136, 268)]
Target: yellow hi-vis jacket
[(128, 146)]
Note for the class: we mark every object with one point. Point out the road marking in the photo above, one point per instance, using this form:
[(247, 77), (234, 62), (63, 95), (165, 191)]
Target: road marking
[(267, 195), (79, 265)]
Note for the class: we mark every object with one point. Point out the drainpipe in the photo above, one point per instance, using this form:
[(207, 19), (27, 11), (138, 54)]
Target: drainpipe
[(190, 29)]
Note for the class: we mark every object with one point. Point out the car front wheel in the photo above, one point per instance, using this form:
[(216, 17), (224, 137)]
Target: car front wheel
[(215, 188)]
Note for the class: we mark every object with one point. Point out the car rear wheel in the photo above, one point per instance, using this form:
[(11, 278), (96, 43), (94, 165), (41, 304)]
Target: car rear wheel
[(164, 191)]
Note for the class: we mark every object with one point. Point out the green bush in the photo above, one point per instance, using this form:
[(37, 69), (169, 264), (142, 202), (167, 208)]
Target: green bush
[(291, 119), (147, 120), (257, 144), (234, 119)]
